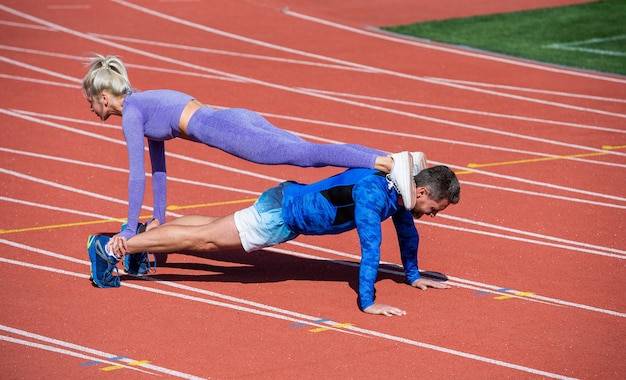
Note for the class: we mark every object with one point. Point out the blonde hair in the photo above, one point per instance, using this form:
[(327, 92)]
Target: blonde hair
[(106, 73)]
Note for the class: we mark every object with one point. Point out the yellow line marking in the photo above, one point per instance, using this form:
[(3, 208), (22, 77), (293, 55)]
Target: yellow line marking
[(61, 226), (337, 326), (464, 172), (111, 368), (518, 294), (134, 364), (92, 222), (342, 325), (541, 159), (502, 297), (613, 147), (139, 362), (536, 160), (174, 207)]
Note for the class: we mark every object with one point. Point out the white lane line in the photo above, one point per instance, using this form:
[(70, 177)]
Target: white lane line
[(454, 280), (62, 351), (38, 81), (250, 306), (366, 332), (258, 57), (543, 195), (123, 143), (527, 240), (38, 69), (65, 187), (206, 163), (66, 7), (534, 90), (470, 111), (408, 114), (567, 244), (98, 355), (54, 184), (353, 64), (538, 183), (54, 208), (252, 56), (272, 85), (531, 234), (377, 131), (125, 171), (27, 26), (357, 259), (380, 34)]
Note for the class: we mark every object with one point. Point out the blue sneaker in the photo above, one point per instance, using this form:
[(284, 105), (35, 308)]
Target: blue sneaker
[(102, 263), (139, 264)]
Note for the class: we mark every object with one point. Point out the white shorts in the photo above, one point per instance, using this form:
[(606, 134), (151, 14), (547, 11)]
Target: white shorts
[(261, 225)]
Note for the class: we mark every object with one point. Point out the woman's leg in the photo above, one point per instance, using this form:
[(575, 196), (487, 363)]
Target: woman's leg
[(248, 135)]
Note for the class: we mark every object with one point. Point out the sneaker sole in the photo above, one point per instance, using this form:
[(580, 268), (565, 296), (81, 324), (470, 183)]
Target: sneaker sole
[(94, 242)]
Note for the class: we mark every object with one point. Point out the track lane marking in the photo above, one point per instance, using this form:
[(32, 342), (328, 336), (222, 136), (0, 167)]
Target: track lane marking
[(461, 168), (83, 351), (273, 85), (359, 331), (453, 280), (207, 29), (335, 93), (425, 222), (475, 171), (451, 49), (62, 351), (543, 159)]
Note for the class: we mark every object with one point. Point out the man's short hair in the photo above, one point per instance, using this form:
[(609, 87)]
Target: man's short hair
[(441, 182)]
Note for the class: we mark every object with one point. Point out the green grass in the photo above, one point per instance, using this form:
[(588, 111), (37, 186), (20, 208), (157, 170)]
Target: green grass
[(589, 36)]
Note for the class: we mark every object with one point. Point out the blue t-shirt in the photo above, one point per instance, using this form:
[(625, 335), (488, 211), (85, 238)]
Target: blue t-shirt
[(356, 198)]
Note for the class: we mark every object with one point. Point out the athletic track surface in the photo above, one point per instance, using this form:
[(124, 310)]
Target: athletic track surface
[(535, 250)]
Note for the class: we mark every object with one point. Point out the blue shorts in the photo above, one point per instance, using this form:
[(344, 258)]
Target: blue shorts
[(261, 225)]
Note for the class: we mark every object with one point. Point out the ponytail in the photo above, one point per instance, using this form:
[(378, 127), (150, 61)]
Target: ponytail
[(106, 73)]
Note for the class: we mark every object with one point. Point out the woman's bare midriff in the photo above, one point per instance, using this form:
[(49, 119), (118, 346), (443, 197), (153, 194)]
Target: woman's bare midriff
[(188, 112)]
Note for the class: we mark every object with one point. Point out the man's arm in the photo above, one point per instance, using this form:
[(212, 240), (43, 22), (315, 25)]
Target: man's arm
[(369, 201), (372, 205), (408, 238)]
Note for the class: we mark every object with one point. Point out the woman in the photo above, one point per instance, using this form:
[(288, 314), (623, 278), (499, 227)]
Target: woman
[(160, 115)]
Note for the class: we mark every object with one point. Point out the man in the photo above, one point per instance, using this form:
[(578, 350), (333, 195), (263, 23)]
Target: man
[(356, 198)]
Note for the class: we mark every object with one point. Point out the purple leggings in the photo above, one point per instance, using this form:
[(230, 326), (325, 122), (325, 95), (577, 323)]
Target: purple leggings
[(247, 135)]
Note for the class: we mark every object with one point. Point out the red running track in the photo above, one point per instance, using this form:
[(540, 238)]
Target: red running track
[(535, 250)]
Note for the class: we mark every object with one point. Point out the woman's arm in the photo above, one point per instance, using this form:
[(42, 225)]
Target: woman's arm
[(132, 126), (159, 178)]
